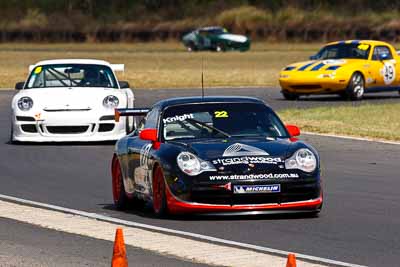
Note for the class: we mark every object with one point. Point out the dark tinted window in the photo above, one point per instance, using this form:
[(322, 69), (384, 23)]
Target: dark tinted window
[(71, 75), (339, 51), (381, 50), (151, 119), (219, 120)]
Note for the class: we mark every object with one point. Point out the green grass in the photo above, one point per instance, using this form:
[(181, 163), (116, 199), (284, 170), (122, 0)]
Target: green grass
[(380, 122), (163, 65)]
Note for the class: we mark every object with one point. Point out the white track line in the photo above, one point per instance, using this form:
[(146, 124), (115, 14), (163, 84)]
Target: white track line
[(352, 138), (104, 218)]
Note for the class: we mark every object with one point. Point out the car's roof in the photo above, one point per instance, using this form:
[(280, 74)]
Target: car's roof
[(371, 42), (209, 28), (207, 99), (73, 61)]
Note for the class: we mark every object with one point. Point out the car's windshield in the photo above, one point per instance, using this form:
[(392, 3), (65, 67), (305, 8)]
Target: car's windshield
[(216, 31), (221, 120), (71, 75), (339, 51)]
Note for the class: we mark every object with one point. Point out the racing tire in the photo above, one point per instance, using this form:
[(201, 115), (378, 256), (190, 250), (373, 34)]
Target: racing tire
[(12, 141), (356, 87), (191, 47), (290, 96), (128, 126), (220, 47), (119, 196), (160, 206)]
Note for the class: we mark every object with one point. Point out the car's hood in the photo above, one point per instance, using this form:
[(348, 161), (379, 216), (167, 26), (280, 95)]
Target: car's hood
[(242, 155), (211, 149), (322, 65), (69, 98), (233, 37)]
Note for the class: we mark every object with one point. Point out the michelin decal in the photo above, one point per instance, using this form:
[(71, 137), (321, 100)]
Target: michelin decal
[(256, 189)]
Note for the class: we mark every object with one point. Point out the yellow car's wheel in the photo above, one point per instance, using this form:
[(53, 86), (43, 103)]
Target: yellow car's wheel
[(290, 96), (355, 88)]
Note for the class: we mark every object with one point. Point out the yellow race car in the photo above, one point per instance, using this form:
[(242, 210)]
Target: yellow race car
[(348, 68)]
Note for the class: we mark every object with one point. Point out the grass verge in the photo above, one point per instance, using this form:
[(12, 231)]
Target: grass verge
[(163, 65), (371, 121)]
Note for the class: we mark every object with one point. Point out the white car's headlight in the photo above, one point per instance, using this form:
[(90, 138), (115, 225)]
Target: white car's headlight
[(303, 159), (25, 103), (111, 101), (192, 165)]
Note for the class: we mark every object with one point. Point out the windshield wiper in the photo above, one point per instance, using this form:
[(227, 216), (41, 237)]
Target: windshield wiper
[(209, 127)]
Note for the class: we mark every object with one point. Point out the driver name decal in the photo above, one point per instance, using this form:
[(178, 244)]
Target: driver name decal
[(178, 118)]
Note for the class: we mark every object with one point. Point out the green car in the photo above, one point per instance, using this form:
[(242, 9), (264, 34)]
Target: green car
[(215, 39)]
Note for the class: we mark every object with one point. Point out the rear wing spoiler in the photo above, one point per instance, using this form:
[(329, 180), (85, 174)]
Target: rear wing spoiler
[(124, 112)]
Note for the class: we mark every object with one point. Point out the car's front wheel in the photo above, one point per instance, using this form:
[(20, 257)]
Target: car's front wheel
[(356, 87), (290, 96), (11, 134), (159, 197), (118, 189), (220, 47), (191, 47)]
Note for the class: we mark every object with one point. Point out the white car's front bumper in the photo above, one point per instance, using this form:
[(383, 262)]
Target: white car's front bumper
[(66, 126)]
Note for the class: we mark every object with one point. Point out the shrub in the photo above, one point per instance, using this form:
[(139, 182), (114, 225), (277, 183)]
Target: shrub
[(244, 18)]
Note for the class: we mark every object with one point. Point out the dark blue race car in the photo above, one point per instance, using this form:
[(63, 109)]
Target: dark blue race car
[(215, 155)]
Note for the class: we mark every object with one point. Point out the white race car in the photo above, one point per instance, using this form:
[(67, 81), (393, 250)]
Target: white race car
[(70, 100)]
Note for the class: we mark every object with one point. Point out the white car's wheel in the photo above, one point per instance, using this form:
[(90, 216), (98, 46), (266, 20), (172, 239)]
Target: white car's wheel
[(12, 134)]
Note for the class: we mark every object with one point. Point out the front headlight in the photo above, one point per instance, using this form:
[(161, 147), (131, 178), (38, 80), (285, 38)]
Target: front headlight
[(303, 159), (192, 165), (111, 101), (25, 103)]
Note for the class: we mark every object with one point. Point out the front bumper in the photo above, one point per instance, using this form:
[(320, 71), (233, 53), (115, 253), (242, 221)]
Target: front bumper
[(177, 206), (66, 127), (295, 196), (312, 83)]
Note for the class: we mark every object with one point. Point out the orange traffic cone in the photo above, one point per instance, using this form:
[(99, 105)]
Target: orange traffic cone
[(291, 260), (119, 258)]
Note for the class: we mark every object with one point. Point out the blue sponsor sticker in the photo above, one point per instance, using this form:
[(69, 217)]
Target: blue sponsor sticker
[(256, 189)]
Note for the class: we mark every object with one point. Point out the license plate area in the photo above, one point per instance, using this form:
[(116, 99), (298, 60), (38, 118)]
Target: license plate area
[(257, 189)]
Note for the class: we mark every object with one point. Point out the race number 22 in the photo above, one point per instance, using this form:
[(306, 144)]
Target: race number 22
[(221, 114)]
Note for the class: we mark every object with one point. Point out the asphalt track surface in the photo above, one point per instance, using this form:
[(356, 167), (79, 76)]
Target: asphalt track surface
[(26, 245), (359, 223)]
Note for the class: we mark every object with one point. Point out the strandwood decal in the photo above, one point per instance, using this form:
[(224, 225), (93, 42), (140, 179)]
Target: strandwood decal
[(254, 176), (247, 160), (237, 150)]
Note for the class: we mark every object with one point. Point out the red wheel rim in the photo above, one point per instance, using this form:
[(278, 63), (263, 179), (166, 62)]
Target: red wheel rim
[(116, 180), (158, 190)]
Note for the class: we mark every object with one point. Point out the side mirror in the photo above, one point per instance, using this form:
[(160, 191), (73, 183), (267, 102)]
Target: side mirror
[(148, 134), (123, 84), (293, 130), (313, 57), (383, 57), (19, 85)]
